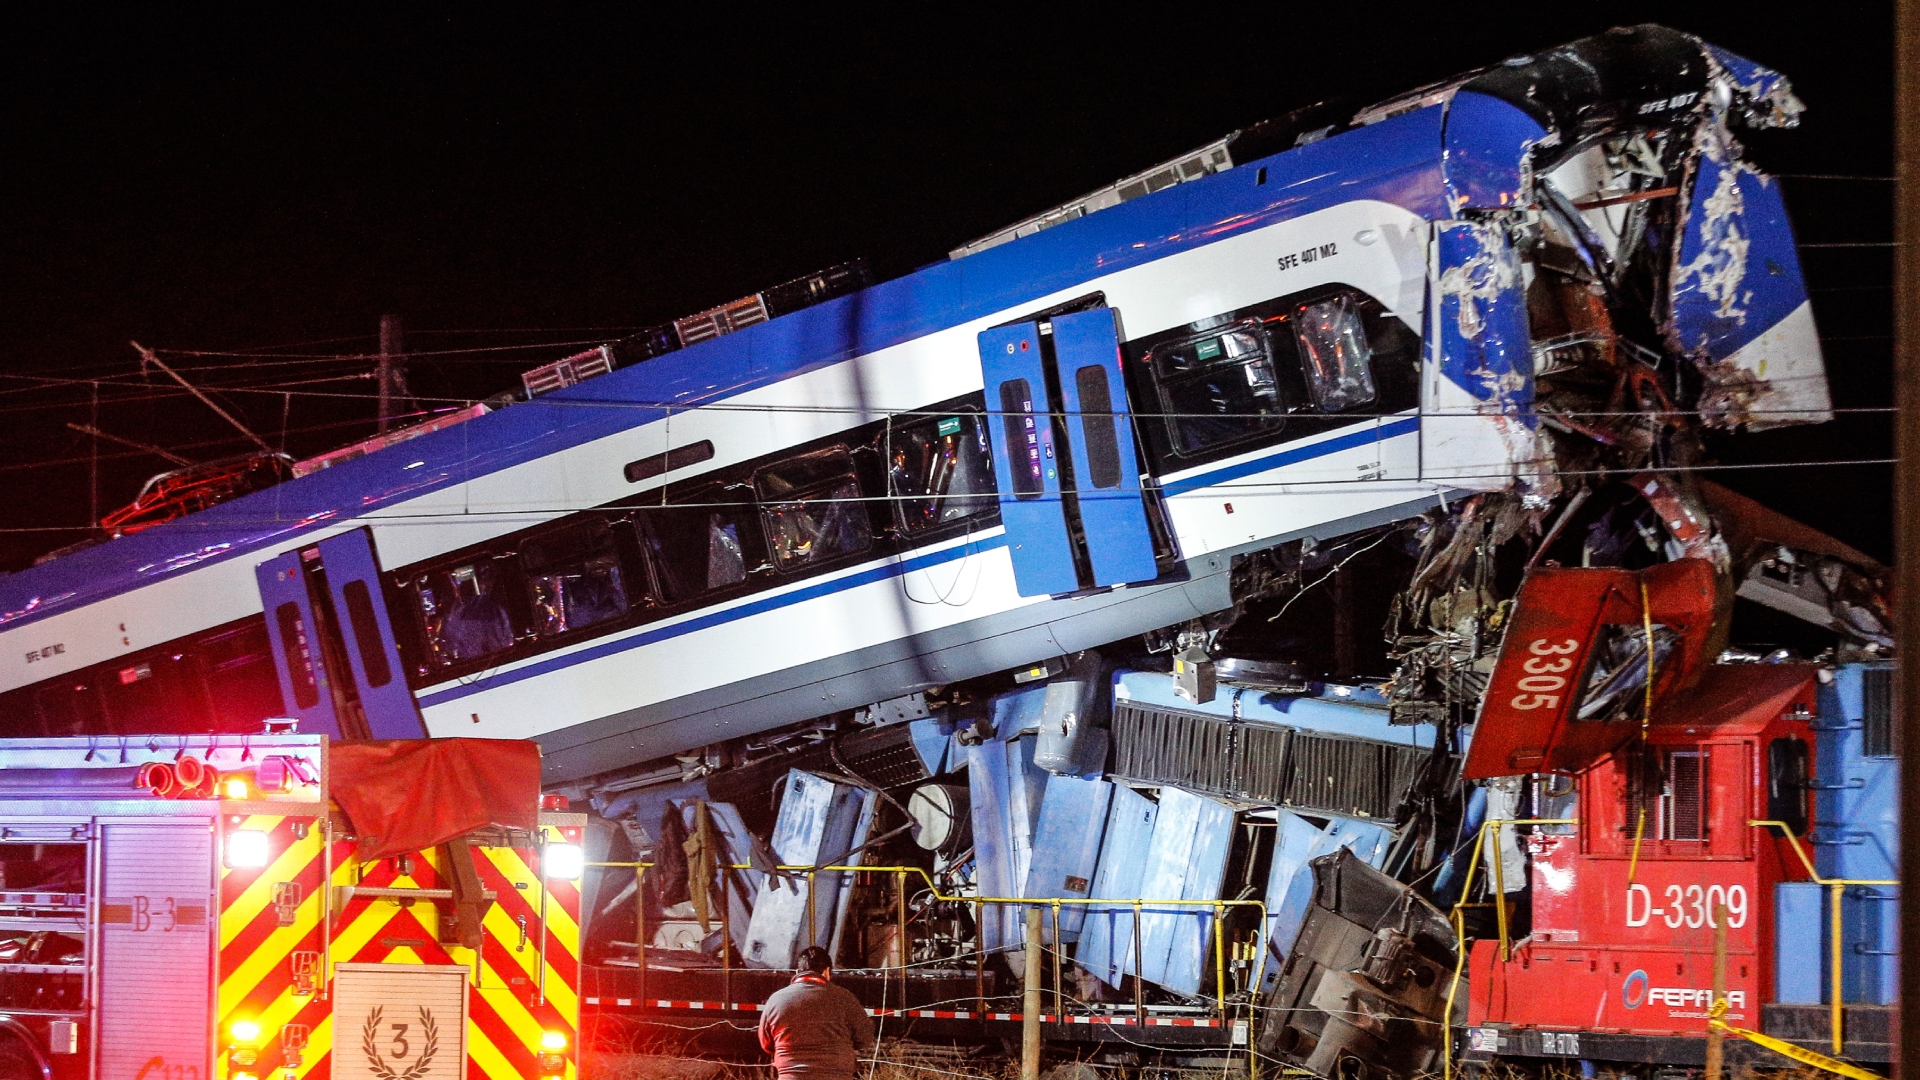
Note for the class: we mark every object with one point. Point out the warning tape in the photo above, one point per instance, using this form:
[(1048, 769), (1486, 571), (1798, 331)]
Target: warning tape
[(1787, 1049), (928, 1014)]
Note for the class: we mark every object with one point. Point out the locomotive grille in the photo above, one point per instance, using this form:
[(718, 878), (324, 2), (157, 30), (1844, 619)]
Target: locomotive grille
[(1350, 776), (1163, 746), (1265, 763)]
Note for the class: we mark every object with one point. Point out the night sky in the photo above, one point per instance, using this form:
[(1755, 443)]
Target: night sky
[(272, 182)]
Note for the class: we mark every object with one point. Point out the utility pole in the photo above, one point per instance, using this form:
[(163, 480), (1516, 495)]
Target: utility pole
[(393, 367), (1906, 587)]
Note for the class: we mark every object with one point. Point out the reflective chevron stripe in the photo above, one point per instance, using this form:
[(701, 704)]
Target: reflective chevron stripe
[(271, 948)]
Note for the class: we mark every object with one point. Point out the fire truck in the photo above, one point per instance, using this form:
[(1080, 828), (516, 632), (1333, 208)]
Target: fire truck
[(272, 907)]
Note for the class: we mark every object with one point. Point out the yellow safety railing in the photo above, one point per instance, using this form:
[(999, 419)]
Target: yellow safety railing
[(1055, 903), (1460, 926), (1835, 887)]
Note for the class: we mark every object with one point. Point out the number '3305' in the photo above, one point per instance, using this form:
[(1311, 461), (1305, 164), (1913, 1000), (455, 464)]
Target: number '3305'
[(1545, 674)]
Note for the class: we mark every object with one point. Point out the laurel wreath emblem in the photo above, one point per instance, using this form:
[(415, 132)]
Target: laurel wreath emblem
[(430, 1045)]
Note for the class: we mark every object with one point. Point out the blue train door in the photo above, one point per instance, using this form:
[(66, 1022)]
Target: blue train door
[(333, 645), (1070, 491)]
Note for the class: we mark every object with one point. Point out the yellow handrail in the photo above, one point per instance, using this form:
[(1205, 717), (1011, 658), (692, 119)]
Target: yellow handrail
[(1218, 907), (1460, 926), (1835, 887)]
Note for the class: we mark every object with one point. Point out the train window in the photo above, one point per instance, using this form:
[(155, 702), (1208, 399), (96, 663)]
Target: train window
[(574, 578), (1097, 421), (939, 470), (1667, 792), (366, 631), (1683, 796), (1020, 429), (1218, 388), (700, 542), (1334, 354), (464, 611), (241, 685), (157, 694), (69, 706), (677, 458), (812, 510), (293, 638), (1787, 781)]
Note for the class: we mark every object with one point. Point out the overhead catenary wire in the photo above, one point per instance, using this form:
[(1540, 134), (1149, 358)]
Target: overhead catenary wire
[(1263, 489)]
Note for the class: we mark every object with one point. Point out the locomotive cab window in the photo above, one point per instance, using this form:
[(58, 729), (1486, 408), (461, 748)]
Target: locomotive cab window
[(1218, 388), (575, 577), (812, 510), (939, 471)]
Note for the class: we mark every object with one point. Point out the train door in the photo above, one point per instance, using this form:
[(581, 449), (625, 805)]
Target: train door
[(340, 671), (1070, 485)]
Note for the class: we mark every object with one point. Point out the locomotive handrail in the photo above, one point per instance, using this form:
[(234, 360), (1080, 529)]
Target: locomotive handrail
[(1836, 888), (1460, 925), (1055, 902)]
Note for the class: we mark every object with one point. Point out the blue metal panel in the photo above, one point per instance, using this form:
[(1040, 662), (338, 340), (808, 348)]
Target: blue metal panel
[(1483, 345), (1325, 715), (1799, 966), (1487, 143), (1106, 471), (360, 603), (932, 742), (1066, 847), (1004, 789), (817, 825), (1106, 940), (1738, 272), (1024, 460), (1298, 842), (291, 627), (1186, 860), (1856, 835)]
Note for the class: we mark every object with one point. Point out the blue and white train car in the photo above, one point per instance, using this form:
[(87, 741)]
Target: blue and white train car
[(1034, 448)]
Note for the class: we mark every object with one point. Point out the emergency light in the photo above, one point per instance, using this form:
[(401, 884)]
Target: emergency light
[(246, 849), (563, 862)]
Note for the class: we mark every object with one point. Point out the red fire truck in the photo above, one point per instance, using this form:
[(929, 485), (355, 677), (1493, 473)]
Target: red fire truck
[(271, 907)]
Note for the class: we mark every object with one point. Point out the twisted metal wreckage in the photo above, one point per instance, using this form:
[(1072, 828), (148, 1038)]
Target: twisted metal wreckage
[(1618, 285)]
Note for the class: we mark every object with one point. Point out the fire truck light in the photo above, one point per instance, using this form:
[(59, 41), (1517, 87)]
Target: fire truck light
[(241, 1076), (564, 862), (553, 1040), (246, 850), (244, 1031), (236, 788)]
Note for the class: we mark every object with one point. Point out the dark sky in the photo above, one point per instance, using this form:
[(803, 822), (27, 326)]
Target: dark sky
[(253, 181)]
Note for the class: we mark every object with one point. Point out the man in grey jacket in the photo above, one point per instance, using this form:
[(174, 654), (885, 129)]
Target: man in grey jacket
[(813, 1028)]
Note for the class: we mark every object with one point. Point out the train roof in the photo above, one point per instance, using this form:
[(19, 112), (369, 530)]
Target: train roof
[(1447, 149)]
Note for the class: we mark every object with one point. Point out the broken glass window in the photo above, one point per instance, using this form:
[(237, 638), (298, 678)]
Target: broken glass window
[(1218, 388), (812, 510), (1334, 354), (574, 578), (939, 470)]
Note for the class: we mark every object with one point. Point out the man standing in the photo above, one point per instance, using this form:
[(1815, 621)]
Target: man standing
[(813, 1028)]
